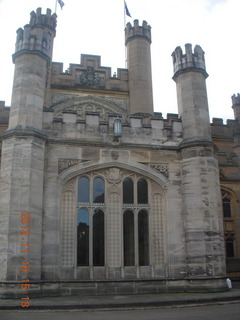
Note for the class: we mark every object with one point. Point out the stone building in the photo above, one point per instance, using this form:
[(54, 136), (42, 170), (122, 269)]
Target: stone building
[(99, 193)]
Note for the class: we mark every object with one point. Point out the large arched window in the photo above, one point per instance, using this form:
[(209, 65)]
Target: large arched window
[(98, 238), (83, 237), (90, 222), (127, 191), (142, 191), (101, 197), (83, 190), (128, 238), (143, 238), (229, 224), (135, 231), (98, 190), (226, 202)]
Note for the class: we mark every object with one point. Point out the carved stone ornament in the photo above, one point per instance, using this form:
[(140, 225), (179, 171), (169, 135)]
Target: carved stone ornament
[(64, 164), (114, 175), (115, 155), (91, 78), (58, 97), (162, 168)]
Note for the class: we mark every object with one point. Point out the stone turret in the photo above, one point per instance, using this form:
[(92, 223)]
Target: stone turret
[(236, 106), (33, 54), (202, 209), (23, 148), (138, 41), (190, 60), (190, 75), (38, 35)]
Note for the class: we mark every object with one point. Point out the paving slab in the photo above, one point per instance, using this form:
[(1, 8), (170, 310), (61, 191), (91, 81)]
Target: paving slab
[(123, 301)]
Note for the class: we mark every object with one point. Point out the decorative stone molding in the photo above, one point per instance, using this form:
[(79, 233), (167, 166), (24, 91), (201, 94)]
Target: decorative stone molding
[(83, 104), (58, 97), (64, 164), (226, 195), (160, 167), (115, 155)]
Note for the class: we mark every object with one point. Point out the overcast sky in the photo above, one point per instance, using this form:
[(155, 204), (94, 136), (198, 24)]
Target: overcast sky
[(97, 27)]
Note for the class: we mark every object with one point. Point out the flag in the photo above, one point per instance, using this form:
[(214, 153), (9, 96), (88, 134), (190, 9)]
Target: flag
[(126, 9), (61, 3)]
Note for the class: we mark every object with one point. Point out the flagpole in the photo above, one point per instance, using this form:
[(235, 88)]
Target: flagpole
[(124, 14), (124, 21), (56, 7)]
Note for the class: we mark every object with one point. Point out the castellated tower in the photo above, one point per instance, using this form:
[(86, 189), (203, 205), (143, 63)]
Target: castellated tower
[(202, 209), (138, 40), (23, 147), (32, 57), (190, 75)]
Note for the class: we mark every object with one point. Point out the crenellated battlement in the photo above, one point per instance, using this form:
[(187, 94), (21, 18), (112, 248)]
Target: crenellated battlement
[(235, 100), (49, 20), (71, 125), (189, 60), (89, 75), (38, 35), (137, 31)]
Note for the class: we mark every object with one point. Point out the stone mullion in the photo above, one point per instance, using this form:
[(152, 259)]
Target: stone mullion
[(114, 228)]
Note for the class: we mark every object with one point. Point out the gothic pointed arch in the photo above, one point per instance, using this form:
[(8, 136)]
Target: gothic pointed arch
[(131, 166), (101, 230)]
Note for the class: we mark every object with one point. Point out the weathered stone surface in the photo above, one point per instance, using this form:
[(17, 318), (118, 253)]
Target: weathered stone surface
[(62, 128)]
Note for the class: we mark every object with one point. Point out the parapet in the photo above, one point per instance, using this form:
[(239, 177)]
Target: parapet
[(49, 20), (88, 75), (137, 31), (90, 126), (190, 60), (38, 35)]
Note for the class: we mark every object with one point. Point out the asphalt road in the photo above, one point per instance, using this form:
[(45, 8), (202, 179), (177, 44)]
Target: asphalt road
[(213, 312)]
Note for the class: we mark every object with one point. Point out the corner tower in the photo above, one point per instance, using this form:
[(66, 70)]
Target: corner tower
[(201, 196), (32, 57), (23, 150), (236, 133), (138, 41), (190, 75)]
